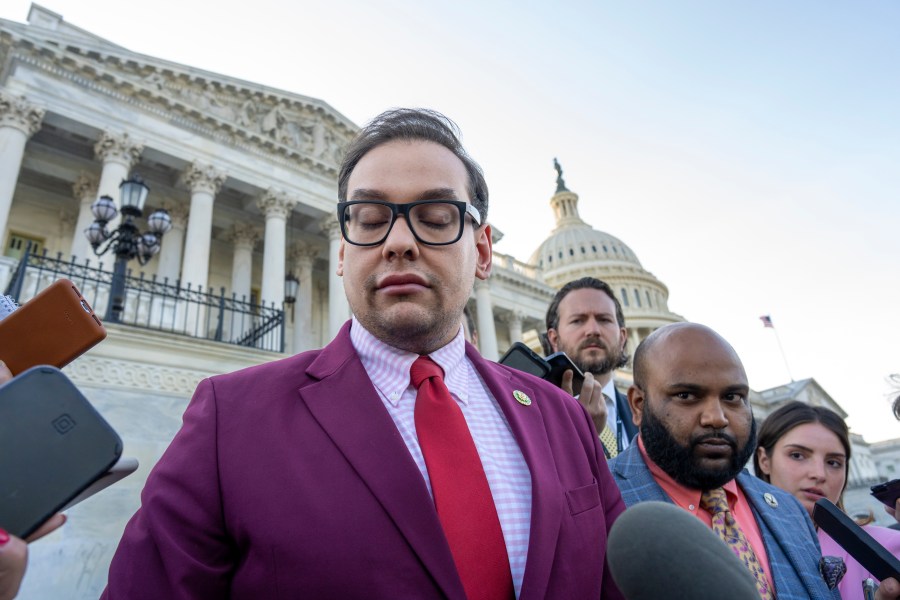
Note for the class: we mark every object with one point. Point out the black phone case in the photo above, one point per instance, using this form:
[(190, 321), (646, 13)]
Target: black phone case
[(851, 537), (53, 445), (521, 357), (887, 492), (560, 363)]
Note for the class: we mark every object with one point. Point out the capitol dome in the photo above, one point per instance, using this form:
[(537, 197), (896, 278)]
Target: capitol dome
[(574, 249)]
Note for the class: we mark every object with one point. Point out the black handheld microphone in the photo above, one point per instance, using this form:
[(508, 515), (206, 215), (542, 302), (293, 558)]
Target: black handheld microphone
[(657, 550), (874, 557)]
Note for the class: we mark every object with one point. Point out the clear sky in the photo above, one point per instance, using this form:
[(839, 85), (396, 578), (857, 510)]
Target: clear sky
[(748, 152)]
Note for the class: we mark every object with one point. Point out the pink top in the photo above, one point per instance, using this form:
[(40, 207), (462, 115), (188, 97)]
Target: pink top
[(689, 499), (851, 585)]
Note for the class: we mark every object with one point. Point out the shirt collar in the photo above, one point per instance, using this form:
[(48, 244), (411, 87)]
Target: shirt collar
[(685, 497), (388, 367)]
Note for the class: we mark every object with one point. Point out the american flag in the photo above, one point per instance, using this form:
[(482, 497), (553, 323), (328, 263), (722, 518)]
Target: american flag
[(767, 321)]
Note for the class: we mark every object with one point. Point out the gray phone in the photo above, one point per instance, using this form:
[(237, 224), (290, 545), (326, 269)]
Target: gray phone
[(53, 445)]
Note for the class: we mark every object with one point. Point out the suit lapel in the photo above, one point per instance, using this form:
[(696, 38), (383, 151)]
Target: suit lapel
[(775, 520), (634, 478), (347, 407), (528, 427)]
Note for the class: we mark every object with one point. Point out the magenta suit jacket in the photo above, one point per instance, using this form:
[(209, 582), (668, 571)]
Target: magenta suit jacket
[(290, 480)]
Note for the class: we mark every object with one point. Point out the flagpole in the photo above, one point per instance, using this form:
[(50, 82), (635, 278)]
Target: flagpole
[(767, 322)]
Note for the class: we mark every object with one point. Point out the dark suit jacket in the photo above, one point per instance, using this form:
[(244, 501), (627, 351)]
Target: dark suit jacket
[(788, 534), (290, 480), (624, 410)]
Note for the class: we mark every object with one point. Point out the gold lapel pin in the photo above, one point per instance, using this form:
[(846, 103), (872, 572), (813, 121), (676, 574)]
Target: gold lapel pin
[(770, 500), (522, 398)]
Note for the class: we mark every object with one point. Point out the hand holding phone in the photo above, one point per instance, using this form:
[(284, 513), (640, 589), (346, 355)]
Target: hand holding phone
[(521, 357), (887, 493)]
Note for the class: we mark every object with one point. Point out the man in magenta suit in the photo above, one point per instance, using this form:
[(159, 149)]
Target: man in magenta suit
[(305, 478)]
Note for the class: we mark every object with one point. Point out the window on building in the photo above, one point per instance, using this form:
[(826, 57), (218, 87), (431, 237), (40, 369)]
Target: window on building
[(18, 242), (649, 303), (571, 252), (637, 298), (625, 297)]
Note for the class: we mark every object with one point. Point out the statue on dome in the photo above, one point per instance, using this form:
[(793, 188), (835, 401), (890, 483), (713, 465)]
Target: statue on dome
[(560, 182)]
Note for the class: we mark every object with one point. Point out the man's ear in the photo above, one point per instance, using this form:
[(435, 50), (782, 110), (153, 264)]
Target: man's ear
[(636, 402), (340, 265), (484, 252), (553, 339)]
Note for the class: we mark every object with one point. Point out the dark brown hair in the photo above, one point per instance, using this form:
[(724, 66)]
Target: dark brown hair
[(414, 124), (792, 415)]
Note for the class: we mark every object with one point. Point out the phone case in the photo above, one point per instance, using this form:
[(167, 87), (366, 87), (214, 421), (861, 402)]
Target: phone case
[(560, 363), (887, 492), (521, 357), (53, 328), (53, 445)]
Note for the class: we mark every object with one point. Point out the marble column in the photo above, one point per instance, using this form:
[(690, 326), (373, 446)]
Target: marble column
[(338, 309), (244, 237), (302, 257), (19, 120), (487, 332), (119, 154), (276, 206), (170, 252), (204, 182), (85, 191), (514, 321)]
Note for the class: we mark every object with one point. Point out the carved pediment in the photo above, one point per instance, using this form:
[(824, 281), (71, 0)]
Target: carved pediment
[(232, 111)]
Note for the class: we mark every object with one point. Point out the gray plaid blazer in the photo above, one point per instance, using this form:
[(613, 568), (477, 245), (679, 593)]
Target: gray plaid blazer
[(788, 534)]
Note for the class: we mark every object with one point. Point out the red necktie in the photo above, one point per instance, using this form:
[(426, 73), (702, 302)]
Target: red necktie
[(462, 497)]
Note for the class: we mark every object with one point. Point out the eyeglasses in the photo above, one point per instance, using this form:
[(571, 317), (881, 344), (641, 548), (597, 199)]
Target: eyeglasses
[(432, 222)]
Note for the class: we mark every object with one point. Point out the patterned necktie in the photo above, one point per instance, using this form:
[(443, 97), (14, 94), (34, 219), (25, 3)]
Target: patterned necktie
[(462, 497), (723, 523), (608, 437)]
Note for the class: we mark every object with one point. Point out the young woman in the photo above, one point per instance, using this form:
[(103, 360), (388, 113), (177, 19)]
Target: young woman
[(805, 450)]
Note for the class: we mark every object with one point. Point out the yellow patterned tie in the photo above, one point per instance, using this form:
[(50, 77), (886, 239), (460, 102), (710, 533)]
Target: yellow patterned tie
[(608, 437), (609, 442), (723, 523)]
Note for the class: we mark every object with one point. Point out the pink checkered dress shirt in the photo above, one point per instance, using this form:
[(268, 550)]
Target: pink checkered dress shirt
[(505, 467)]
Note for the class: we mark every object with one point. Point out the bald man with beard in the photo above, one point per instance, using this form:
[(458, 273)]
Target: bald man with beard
[(697, 431)]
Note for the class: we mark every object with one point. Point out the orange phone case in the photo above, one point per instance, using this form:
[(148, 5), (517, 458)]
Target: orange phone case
[(53, 328)]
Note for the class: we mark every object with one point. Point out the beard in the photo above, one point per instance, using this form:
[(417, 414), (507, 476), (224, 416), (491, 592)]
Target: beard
[(679, 461), (611, 360)]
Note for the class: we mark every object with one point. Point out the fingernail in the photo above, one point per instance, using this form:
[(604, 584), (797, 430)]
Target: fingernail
[(4, 537)]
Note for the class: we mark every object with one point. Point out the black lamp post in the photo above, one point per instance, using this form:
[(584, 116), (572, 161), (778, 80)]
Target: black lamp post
[(126, 241)]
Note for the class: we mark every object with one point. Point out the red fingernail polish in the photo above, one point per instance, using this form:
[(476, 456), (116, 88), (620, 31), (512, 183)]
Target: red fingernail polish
[(4, 537)]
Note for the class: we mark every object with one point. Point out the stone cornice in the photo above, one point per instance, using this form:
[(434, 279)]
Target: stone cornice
[(261, 121)]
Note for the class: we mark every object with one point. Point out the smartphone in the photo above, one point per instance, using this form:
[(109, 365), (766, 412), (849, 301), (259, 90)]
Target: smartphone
[(560, 363), (887, 493), (521, 357), (53, 445), (125, 466), (874, 557), (53, 328)]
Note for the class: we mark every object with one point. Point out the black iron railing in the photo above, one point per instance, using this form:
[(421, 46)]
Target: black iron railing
[(158, 304)]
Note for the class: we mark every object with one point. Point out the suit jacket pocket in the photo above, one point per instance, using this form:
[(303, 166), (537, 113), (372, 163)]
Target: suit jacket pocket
[(583, 498)]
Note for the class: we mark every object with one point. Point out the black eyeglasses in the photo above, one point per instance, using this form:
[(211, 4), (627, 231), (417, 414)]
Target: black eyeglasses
[(432, 222)]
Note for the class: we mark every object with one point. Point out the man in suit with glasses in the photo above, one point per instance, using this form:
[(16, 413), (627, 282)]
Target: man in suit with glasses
[(396, 462)]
